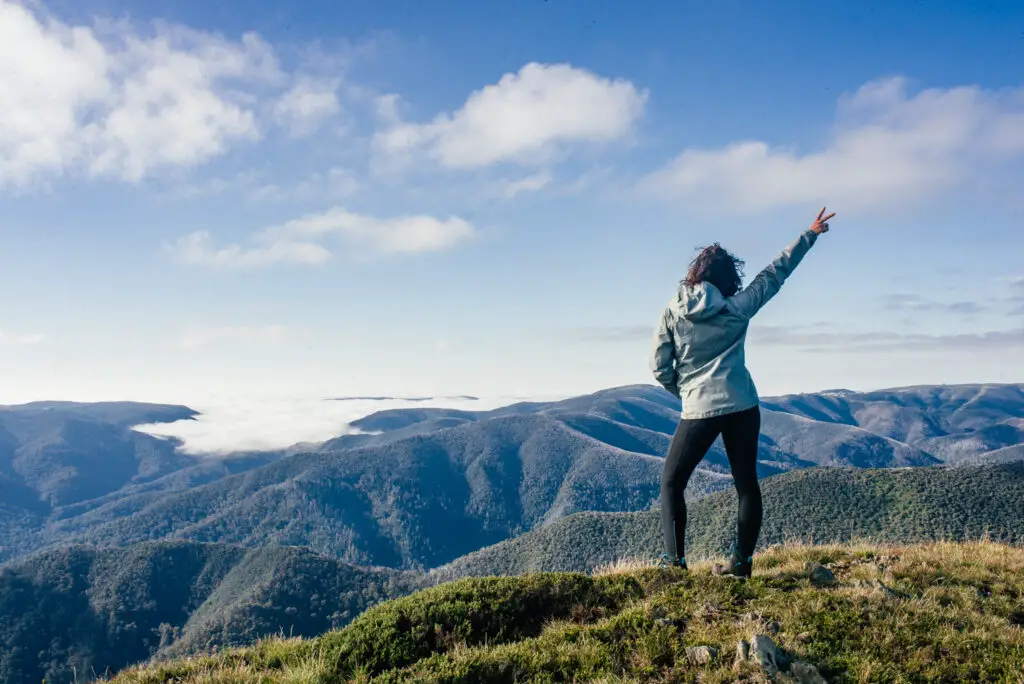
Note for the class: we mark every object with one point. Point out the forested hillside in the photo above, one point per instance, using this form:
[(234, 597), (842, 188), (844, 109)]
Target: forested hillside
[(85, 611), (422, 487), (820, 505)]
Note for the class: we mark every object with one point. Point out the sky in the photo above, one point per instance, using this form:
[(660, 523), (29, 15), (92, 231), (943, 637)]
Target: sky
[(202, 201)]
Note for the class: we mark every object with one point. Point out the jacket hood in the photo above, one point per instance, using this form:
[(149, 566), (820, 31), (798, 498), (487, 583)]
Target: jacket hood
[(700, 301)]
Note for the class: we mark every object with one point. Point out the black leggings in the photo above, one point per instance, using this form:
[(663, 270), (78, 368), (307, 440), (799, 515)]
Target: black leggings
[(691, 442)]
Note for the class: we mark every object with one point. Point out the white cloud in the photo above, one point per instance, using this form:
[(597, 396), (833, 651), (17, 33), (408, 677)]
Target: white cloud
[(1016, 297), (51, 72), (20, 340), (415, 233), (877, 342), (307, 105), (331, 184), (532, 183), (386, 109), (206, 336), (197, 249), (527, 118), (110, 101), (170, 102), (910, 302), (245, 423), (299, 241), (206, 187), (334, 183), (124, 101), (888, 147), (820, 337)]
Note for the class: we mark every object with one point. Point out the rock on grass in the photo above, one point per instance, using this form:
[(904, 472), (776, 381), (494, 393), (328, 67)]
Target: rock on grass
[(819, 575)]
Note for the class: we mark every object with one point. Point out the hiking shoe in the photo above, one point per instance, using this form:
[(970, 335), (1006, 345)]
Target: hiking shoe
[(668, 561), (734, 568)]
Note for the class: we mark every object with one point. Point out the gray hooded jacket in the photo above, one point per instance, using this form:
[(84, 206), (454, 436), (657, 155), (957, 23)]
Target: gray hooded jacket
[(698, 347)]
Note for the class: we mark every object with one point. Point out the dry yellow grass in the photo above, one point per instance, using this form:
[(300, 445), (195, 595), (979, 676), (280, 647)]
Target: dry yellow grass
[(623, 565)]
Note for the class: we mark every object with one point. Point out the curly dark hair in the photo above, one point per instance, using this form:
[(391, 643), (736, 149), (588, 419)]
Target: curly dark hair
[(718, 267)]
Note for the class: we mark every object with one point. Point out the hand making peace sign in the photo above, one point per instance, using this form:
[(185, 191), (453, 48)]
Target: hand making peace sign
[(820, 224)]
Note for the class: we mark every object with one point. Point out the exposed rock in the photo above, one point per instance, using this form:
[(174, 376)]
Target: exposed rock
[(805, 673), (762, 652), (742, 653), (701, 655), (819, 575)]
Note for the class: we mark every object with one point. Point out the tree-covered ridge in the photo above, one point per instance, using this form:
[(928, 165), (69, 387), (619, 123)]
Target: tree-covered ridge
[(78, 611), (55, 454), (817, 505)]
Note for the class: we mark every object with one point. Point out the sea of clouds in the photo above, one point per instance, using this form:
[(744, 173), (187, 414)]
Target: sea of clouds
[(228, 425)]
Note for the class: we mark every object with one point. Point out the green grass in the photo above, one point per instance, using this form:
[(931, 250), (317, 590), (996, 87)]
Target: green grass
[(947, 614)]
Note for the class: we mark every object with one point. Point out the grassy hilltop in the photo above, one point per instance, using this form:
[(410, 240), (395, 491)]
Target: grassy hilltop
[(944, 612)]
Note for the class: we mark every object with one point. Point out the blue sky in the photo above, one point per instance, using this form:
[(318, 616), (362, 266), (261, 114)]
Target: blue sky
[(209, 199)]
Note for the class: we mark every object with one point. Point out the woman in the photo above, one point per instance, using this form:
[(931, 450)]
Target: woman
[(698, 356)]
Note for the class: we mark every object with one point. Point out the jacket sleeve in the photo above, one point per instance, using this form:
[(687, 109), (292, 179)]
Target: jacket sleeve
[(767, 283), (663, 358)]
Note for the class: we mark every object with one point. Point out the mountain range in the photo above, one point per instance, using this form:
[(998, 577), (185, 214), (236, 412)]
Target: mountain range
[(418, 488)]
